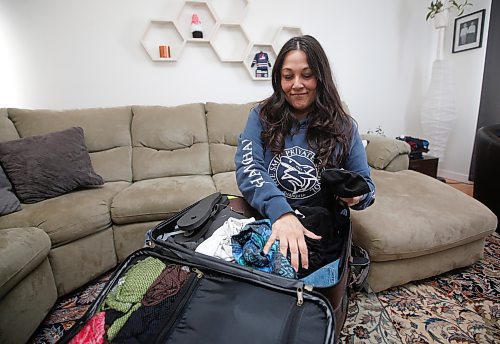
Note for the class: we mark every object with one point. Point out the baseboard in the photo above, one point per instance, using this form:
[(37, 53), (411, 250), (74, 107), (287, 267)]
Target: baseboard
[(453, 175)]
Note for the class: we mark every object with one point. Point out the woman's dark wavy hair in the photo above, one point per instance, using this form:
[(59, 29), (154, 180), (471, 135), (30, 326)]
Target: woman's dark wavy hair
[(329, 126)]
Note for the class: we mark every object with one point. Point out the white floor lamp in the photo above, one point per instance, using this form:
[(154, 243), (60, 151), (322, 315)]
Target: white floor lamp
[(438, 110)]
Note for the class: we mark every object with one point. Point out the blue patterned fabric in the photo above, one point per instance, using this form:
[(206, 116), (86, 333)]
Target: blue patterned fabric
[(248, 245)]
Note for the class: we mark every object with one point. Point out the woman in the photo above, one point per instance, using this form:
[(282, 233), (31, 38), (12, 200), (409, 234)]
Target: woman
[(291, 137)]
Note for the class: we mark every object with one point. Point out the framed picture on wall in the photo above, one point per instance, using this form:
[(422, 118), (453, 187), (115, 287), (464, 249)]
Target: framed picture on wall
[(468, 31)]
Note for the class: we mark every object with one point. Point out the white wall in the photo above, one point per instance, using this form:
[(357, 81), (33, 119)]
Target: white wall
[(9, 77), (67, 54)]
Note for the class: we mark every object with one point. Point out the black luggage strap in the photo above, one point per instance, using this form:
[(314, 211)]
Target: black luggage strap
[(360, 266), (360, 261), (196, 217), (197, 222)]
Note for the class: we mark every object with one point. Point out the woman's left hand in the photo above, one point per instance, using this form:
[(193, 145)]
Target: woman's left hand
[(350, 201)]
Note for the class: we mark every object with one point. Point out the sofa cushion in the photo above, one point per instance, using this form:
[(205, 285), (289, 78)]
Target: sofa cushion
[(225, 182), (415, 215), (8, 131), (23, 309), (9, 203), (68, 217), (387, 274), (46, 166), (169, 141), (130, 237), (107, 134), (81, 261), (159, 198), (22, 250), (225, 122)]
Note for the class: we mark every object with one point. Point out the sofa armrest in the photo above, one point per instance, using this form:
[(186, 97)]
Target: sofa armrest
[(21, 252), (385, 153)]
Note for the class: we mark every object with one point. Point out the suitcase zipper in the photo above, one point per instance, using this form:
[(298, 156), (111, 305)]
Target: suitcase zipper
[(300, 293), (295, 311), (300, 296), (291, 323), (180, 304), (198, 273)]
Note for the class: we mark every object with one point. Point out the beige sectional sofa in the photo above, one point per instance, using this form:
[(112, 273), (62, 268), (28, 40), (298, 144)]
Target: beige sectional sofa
[(156, 161)]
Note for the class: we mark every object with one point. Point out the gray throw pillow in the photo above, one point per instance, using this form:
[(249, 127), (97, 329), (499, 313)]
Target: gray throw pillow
[(9, 203), (46, 166)]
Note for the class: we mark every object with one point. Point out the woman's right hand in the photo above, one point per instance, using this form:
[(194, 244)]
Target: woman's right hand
[(290, 233)]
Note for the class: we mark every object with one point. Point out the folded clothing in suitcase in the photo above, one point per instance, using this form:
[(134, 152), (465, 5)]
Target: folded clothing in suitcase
[(169, 293)]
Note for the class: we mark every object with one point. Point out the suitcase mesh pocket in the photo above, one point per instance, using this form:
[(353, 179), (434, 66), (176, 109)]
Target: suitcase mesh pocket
[(156, 309)]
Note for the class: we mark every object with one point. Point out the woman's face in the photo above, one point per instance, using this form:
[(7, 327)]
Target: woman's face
[(298, 83)]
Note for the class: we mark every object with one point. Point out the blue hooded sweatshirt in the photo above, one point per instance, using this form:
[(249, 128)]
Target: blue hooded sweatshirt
[(273, 184)]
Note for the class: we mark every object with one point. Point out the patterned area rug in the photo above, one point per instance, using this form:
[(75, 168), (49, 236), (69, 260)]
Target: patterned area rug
[(462, 306)]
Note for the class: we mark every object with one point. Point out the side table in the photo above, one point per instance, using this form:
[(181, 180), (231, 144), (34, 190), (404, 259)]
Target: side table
[(428, 165)]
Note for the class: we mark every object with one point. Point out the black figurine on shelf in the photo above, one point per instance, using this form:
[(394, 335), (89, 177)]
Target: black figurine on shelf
[(261, 59), (196, 27)]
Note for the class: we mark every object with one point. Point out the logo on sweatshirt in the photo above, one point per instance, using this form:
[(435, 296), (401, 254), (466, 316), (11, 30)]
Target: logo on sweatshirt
[(249, 165), (294, 171)]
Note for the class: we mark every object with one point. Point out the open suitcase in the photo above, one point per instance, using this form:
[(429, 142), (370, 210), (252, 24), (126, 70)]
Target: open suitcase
[(207, 300)]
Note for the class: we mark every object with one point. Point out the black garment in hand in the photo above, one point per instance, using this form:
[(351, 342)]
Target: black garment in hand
[(337, 183), (331, 221), (343, 183), (320, 221)]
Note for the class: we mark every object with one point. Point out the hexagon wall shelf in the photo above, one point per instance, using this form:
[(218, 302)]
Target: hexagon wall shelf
[(230, 10), (230, 42), (162, 32), (254, 56), (220, 20), (206, 15), (283, 34)]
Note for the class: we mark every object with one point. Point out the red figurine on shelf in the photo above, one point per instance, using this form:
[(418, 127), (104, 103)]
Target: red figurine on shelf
[(196, 27)]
